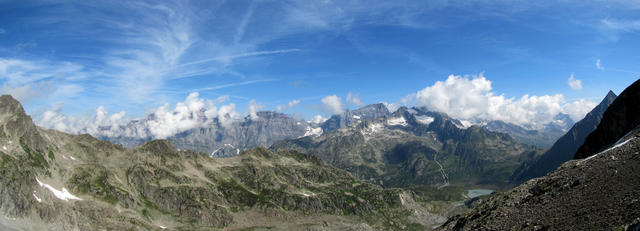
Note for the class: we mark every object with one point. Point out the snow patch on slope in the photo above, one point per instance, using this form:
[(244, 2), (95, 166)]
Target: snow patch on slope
[(37, 198), (313, 132), (608, 149), (393, 121), (423, 119), (62, 195)]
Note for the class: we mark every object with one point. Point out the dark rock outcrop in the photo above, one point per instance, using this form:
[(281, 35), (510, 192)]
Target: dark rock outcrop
[(622, 116)]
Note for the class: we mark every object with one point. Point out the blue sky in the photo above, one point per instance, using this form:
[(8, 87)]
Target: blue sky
[(73, 56)]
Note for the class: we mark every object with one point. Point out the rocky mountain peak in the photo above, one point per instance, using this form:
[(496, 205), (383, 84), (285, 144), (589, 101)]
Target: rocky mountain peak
[(16, 124), (373, 110), (621, 116), (10, 106)]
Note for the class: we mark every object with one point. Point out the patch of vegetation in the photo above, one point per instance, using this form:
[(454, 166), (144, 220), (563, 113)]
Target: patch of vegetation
[(94, 180), (35, 158), (51, 156)]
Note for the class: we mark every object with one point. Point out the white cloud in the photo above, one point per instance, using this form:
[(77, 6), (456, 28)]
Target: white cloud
[(26, 80), (333, 104), (318, 119), (354, 99), (577, 109), (473, 99), (623, 25), (599, 66), (575, 84), (391, 106), (159, 123), (253, 109), (293, 103), (289, 105)]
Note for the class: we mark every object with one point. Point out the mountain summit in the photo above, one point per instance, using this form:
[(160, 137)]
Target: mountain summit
[(616, 122)]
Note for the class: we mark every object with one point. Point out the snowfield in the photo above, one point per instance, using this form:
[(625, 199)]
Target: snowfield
[(62, 195)]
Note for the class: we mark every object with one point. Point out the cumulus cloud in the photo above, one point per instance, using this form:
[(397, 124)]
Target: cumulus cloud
[(253, 109), (599, 66), (391, 106), (289, 105), (318, 119), (472, 98), (333, 104), (354, 99), (159, 123), (575, 84)]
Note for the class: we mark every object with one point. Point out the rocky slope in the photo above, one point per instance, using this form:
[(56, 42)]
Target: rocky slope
[(57, 181), (413, 146), (563, 150), (599, 192)]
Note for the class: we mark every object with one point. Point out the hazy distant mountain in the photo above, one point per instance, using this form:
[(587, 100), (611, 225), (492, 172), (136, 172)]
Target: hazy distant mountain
[(220, 139), (563, 150), (56, 181), (412, 146), (599, 192), (541, 137)]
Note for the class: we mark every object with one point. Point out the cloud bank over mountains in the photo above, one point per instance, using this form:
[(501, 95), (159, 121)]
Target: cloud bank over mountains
[(472, 98), (160, 123), (468, 98)]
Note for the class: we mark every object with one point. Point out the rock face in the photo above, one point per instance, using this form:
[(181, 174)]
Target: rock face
[(413, 146), (219, 140), (565, 147), (223, 140), (347, 118), (616, 122), (599, 192), (57, 181)]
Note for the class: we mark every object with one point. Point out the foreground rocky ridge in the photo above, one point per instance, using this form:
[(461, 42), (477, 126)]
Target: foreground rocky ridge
[(598, 190), (57, 181), (600, 193)]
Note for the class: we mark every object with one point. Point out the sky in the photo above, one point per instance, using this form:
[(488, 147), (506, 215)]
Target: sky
[(79, 63)]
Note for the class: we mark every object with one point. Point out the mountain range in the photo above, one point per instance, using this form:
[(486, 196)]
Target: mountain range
[(366, 169), (231, 136), (57, 181), (414, 146)]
